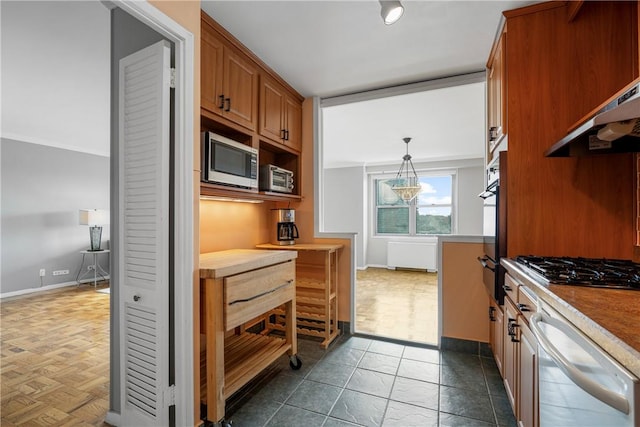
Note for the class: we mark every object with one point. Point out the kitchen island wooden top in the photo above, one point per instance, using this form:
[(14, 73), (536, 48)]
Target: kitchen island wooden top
[(610, 317), (302, 247), (214, 265)]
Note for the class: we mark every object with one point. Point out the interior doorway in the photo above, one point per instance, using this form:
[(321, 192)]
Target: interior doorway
[(397, 304)]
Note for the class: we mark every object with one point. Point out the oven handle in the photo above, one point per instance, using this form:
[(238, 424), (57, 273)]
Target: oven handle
[(611, 398), (483, 262)]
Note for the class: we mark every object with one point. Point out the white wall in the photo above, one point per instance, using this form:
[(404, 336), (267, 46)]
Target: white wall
[(344, 206), (55, 135), (55, 74), (347, 207)]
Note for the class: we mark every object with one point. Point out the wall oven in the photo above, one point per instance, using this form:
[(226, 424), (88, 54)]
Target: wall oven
[(495, 228), (228, 162)]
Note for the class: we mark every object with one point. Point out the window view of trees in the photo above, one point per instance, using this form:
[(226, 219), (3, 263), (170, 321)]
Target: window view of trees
[(429, 213)]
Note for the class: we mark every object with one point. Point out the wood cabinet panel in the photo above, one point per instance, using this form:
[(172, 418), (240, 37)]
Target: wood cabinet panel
[(496, 333), (528, 378), (496, 96), (293, 116), (211, 69), (280, 114), (271, 114), (570, 206), (511, 353), (228, 79), (240, 88)]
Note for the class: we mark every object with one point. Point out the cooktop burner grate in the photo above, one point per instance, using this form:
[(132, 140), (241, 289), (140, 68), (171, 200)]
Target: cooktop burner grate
[(604, 273)]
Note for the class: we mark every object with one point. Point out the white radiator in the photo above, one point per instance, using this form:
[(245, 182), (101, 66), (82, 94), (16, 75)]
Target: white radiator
[(419, 255)]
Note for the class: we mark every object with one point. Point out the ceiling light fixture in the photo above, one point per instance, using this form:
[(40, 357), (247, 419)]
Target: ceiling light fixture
[(406, 186), (391, 11)]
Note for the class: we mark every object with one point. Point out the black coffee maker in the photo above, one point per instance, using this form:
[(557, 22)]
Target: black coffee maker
[(284, 227)]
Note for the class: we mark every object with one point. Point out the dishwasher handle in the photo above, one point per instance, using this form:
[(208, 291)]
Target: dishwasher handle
[(611, 398)]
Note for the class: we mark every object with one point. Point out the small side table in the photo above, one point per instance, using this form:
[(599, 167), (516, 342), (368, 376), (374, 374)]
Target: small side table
[(97, 269)]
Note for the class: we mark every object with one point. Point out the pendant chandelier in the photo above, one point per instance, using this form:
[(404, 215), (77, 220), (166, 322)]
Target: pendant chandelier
[(406, 184)]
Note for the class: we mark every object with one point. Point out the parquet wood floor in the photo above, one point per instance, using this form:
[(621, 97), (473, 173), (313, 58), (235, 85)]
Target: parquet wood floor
[(54, 358), (400, 304)]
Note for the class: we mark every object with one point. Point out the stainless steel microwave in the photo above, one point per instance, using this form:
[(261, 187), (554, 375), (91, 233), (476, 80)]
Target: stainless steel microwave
[(273, 178), (228, 162)]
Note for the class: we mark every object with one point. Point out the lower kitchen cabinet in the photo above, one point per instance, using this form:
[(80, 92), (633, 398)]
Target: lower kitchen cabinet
[(496, 333), (511, 353), (528, 381), (520, 369)]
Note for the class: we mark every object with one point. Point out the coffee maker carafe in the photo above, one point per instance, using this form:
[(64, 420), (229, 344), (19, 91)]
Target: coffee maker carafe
[(284, 226)]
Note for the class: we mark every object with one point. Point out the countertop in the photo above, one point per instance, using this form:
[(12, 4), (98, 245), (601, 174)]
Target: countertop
[(609, 317), (214, 265), (462, 238), (302, 247)]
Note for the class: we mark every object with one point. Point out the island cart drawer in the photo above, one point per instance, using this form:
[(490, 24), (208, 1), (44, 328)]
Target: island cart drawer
[(253, 293)]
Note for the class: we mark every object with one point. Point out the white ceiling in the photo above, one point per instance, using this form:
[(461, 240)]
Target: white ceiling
[(334, 48), (444, 124), (327, 48)]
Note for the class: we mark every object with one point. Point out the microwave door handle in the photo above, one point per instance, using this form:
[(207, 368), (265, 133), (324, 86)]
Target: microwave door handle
[(611, 398), (295, 231)]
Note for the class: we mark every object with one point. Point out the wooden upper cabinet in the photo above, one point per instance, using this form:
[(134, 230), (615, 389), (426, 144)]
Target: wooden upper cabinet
[(496, 95), (240, 89), (280, 114), (229, 81), (271, 113), (211, 70), (293, 120)]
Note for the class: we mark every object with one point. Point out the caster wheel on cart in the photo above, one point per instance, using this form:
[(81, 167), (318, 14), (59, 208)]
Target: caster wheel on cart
[(226, 423), (295, 363)]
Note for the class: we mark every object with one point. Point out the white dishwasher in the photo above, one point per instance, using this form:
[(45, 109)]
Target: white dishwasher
[(579, 383)]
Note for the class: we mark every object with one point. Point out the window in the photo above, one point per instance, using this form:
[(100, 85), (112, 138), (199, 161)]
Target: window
[(431, 212)]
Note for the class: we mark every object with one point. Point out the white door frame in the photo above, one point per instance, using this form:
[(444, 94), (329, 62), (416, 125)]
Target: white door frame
[(183, 202)]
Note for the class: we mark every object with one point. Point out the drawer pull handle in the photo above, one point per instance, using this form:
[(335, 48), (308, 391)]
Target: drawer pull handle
[(290, 281)]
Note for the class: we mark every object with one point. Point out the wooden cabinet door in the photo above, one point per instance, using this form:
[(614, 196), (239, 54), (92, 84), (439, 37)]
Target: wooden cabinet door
[(240, 89), (211, 69), (528, 378), (496, 334), (496, 92), (293, 123), (511, 352), (272, 97)]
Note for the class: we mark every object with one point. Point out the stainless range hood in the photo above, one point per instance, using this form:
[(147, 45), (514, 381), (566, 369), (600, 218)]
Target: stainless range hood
[(614, 127)]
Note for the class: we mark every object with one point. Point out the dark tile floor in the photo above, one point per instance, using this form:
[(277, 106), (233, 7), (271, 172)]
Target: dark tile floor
[(365, 382)]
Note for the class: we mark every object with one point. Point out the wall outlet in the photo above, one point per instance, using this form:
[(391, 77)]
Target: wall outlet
[(42, 272), (60, 272)]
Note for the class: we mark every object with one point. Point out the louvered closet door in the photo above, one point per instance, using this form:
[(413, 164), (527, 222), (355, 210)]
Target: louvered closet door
[(144, 244)]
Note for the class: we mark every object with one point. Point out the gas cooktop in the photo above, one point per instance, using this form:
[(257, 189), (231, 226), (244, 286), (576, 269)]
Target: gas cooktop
[(603, 273)]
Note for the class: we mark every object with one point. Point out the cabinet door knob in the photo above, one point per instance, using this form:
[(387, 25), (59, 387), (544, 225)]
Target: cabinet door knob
[(283, 133), (523, 307), (491, 316), (136, 298), (221, 106), (286, 135), (228, 101)]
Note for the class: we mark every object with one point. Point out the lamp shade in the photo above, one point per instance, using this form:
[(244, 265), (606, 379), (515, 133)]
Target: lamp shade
[(93, 217), (391, 11)]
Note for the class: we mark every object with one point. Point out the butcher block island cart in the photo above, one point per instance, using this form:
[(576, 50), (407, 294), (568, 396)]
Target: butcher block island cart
[(237, 286)]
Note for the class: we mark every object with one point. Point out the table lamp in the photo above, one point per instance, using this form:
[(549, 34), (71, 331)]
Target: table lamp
[(94, 218)]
